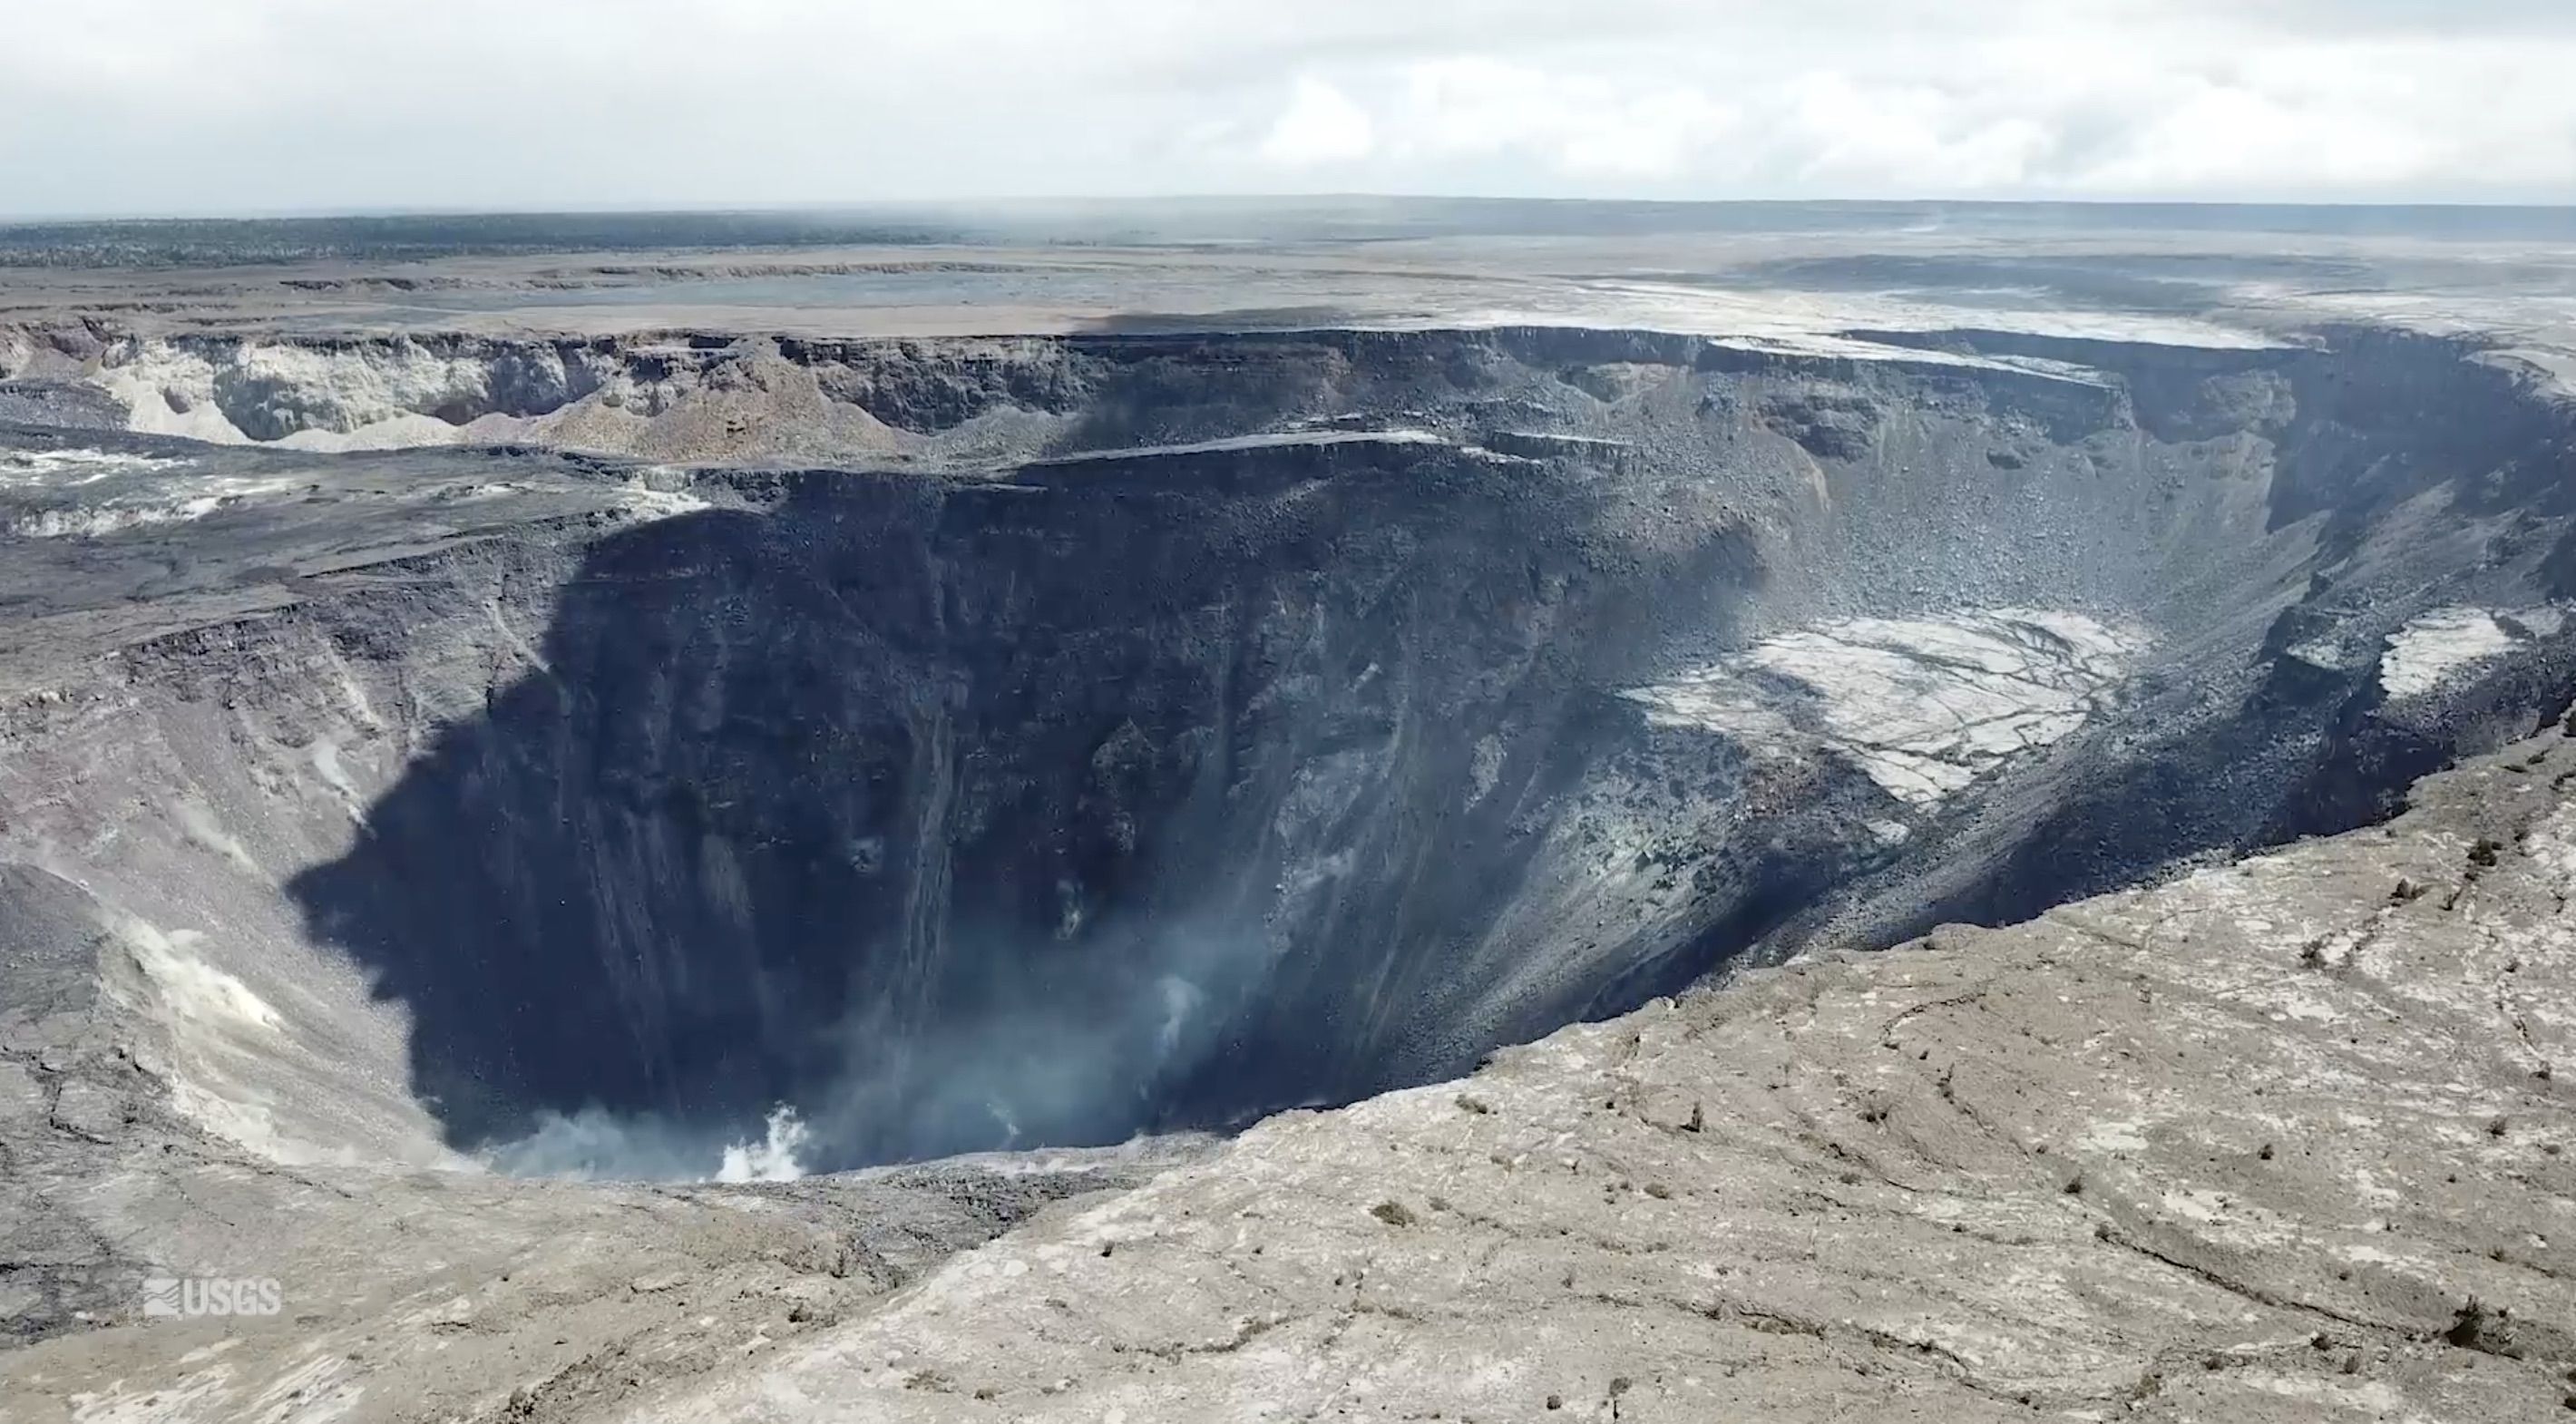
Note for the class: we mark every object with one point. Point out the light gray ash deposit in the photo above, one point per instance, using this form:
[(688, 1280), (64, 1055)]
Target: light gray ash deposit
[(601, 852)]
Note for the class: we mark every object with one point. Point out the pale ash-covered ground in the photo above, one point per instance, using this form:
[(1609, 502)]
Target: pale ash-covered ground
[(1923, 706), (377, 353), (2282, 1140)]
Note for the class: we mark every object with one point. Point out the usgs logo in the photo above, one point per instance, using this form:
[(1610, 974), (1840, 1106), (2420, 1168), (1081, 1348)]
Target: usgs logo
[(173, 1296)]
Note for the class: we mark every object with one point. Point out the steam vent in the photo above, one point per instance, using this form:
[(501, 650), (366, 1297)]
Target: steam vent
[(1854, 812)]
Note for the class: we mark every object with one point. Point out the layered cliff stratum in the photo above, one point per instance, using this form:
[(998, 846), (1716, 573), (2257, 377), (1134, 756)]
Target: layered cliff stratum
[(598, 850)]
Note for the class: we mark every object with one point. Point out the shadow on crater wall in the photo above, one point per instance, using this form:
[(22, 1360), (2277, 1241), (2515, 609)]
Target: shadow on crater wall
[(1151, 791), (966, 816)]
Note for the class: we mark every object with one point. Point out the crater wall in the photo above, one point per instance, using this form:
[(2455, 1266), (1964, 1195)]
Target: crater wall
[(1210, 725)]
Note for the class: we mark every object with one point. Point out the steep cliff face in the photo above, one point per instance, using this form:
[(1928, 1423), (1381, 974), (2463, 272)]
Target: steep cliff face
[(970, 814), (2283, 1140), (1214, 724)]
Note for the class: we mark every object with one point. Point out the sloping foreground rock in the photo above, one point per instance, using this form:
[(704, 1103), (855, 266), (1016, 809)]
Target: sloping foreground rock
[(2280, 1140)]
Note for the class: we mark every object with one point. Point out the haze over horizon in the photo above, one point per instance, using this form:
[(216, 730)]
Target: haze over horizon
[(155, 107)]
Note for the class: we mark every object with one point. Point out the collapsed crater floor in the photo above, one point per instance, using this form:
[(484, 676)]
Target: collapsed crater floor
[(2281, 1140), (784, 755), (1201, 726)]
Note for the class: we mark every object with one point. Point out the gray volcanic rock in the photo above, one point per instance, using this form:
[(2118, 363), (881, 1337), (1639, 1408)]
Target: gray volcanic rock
[(524, 838), (2280, 1140), (1397, 697), (443, 1295)]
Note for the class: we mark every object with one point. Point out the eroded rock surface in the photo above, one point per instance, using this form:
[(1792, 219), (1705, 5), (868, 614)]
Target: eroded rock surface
[(1166, 731), (2279, 1140), (1242, 724), (1923, 706)]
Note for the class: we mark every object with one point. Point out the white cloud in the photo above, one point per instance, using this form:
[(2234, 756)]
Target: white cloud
[(1320, 126), (1580, 125), (2097, 98), (162, 105), (1841, 132)]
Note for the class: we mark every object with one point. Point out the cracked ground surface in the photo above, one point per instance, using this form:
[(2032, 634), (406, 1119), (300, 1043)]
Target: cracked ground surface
[(1922, 706), (2280, 1140)]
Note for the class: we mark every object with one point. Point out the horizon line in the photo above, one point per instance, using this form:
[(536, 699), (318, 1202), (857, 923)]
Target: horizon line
[(968, 205)]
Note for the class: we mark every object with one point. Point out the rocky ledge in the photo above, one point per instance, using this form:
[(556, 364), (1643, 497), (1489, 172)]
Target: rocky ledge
[(2274, 1140)]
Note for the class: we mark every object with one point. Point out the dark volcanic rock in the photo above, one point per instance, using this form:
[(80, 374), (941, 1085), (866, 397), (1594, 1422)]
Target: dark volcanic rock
[(954, 805), (1829, 427), (1402, 699)]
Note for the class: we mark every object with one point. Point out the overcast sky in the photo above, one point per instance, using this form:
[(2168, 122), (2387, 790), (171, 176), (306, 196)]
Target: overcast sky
[(199, 106)]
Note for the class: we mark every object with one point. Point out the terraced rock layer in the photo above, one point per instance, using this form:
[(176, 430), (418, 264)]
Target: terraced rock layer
[(2282, 1140), (1287, 718)]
